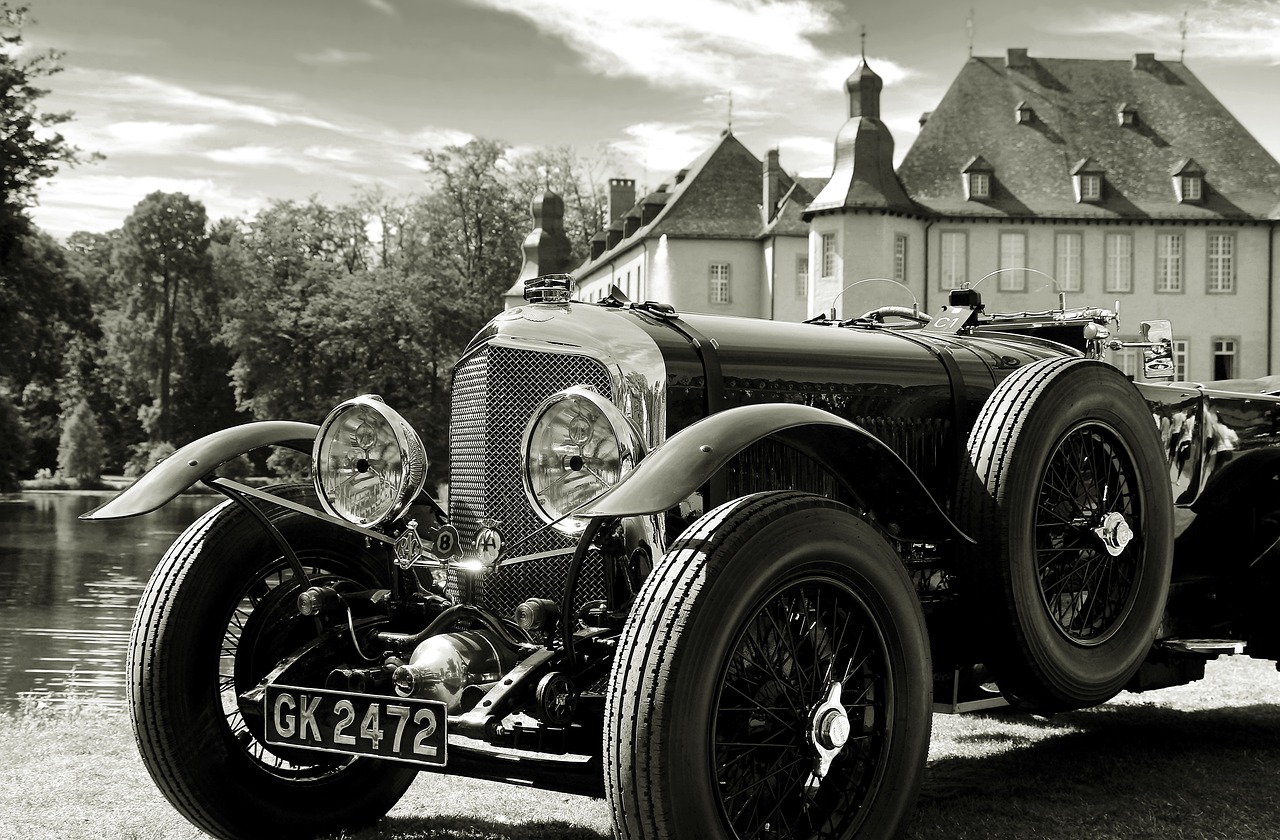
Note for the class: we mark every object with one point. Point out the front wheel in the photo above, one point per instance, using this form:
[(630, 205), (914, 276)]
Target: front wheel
[(217, 615), (773, 681)]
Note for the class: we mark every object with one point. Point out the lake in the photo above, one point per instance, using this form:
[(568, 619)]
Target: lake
[(68, 590)]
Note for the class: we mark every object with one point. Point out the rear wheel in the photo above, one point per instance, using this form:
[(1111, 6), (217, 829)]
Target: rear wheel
[(216, 617), (1071, 507), (773, 681)]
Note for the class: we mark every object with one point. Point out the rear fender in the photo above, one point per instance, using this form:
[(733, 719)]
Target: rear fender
[(200, 458), (860, 461)]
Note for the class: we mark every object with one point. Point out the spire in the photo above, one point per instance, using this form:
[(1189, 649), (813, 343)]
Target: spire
[(862, 175)]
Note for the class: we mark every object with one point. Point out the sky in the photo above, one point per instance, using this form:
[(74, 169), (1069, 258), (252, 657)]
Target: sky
[(238, 103)]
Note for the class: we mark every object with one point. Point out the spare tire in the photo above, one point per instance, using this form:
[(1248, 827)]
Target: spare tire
[(1068, 499)]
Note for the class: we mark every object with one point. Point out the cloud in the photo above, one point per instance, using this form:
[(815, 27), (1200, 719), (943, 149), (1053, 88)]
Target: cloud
[(663, 148), (101, 202), (333, 57), (383, 6), (152, 95), (759, 49), (1226, 30), (142, 137)]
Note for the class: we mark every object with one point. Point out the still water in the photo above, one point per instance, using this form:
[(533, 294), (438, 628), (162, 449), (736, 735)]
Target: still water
[(68, 590)]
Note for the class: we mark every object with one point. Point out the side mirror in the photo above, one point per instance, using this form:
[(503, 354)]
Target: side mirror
[(1157, 357)]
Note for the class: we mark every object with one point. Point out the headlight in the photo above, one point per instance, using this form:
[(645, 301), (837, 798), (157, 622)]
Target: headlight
[(369, 462), (576, 446)]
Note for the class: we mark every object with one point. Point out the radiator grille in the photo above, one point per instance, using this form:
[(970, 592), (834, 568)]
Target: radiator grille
[(494, 394)]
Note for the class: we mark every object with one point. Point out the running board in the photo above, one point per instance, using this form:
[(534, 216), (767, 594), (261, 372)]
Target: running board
[(1202, 647)]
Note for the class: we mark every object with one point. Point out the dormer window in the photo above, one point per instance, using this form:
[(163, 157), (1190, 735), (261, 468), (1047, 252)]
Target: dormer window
[(1086, 177), (977, 179), (1188, 182), (1127, 115), (1024, 114)]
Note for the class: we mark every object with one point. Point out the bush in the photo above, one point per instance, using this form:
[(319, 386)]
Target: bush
[(145, 456), (290, 464), (81, 449)]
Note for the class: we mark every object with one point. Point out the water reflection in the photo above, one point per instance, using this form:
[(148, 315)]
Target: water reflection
[(68, 590)]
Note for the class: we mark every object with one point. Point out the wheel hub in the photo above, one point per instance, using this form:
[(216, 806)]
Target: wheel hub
[(1114, 532), (829, 730)]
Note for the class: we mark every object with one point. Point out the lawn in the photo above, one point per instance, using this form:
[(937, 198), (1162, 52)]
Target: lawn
[(1201, 761)]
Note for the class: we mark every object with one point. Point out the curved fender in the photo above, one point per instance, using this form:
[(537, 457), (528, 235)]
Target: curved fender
[(863, 463), (197, 459)]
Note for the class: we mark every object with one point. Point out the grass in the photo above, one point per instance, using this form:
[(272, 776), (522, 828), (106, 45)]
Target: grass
[(1200, 761)]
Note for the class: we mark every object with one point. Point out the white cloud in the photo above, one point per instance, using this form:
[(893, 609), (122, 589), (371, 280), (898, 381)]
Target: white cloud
[(151, 137), (383, 6), (251, 156), (151, 95), (333, 56), (101, 202), (663, 148), (331, 154), (1227, 30), (759, 49)]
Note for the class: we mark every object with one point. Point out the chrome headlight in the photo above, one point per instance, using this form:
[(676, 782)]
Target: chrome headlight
[(576, 446), (369, 462)]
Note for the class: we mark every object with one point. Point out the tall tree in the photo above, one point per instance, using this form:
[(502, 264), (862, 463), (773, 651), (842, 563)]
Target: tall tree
[(31, 148), (476, 220), (164, 249)]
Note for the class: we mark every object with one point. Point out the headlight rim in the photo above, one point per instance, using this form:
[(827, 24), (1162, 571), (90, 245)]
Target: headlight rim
[(412, 454), (630, 442)]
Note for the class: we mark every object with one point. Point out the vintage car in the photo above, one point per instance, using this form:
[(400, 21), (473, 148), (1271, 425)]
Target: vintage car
[(720, 571)]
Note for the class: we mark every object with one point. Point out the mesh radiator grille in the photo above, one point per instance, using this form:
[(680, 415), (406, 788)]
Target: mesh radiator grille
[(494, 394)]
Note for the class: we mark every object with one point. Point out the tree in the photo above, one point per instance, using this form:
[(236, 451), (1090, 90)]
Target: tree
[(81, 448), (581, 181), (30, 147), (476, 220), (17, 446), (164, 249)]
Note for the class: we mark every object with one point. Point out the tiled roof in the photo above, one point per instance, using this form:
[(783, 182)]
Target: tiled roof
[(1076, 105), (717, 197)]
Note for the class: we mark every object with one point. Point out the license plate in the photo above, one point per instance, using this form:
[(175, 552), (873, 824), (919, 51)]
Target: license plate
[(403, 728)]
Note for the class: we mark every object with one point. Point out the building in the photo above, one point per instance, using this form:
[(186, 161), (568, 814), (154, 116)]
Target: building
[(725, 237), (1109, 182), (1122, 180)]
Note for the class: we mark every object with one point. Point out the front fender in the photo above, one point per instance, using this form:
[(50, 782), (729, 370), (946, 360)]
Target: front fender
[(864, 464), (198, 459)]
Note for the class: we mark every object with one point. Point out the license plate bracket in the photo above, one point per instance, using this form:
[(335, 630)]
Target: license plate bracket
[(399, 728)]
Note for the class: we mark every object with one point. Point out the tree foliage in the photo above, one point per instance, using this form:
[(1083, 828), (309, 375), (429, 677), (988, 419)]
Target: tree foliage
[(163, 259), (81, 449), (30, 147)]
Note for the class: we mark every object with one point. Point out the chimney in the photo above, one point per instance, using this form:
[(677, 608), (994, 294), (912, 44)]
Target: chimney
[(1016, 59), (1144, 61), (772, 187), (622, 197)]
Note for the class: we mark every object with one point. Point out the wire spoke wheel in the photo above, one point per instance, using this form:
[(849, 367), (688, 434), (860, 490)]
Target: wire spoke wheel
[(802, 640), (1089, 494)]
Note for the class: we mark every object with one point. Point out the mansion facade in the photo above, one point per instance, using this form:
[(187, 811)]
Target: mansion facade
[(1109, 183)]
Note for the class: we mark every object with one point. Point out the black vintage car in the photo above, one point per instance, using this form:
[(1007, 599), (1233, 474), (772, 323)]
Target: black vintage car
[(720, 571)]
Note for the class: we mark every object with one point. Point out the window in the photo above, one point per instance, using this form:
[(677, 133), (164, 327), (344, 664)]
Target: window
[(1068, 271), (1119, 262), (1090, 187), (720, 283), (900, 257), (1191, 188), (1128, 359), (802, 275), (1224, 358), (828, 255), (1180, 359), (1013, 254), (1169, 262), (953, 268), (979, 185), (1221, 276)]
